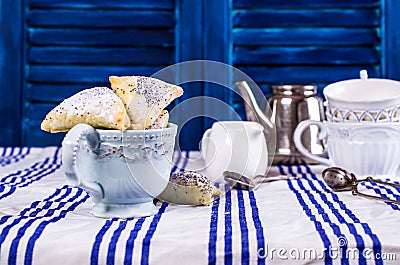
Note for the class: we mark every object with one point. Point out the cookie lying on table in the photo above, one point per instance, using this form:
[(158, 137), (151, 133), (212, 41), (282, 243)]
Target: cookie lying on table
[(99, 107), (144, 97), (189, 188)]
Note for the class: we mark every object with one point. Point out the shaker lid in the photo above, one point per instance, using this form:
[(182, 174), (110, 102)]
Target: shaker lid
[(298, 90)]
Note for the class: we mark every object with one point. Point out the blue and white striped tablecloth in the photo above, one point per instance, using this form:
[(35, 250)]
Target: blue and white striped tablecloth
[(300, 221)]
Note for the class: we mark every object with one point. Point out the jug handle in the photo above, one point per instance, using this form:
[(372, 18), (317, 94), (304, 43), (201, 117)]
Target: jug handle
[(69, 159), (299, 144)]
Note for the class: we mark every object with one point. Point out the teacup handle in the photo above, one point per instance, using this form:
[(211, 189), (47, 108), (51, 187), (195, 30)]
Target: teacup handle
[(299, 144), (204, 143), (69, 158)]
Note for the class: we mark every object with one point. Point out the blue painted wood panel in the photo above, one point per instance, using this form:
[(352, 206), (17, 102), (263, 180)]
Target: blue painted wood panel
[(218, 47), (306, 18), (306, 36), (306, 74), (74, 45), (90, 4), (55, 92), (102, 37), (53, 49), (84, 55), (11, 66), (305, 3), (32, 134), (99, 18), (391, 39), (83, 73), (190, 46), (308, 42), (321, 55)]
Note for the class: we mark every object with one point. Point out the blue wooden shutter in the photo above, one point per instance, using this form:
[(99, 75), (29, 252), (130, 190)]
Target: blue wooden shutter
[(71, 45), (313, 41), (11, 72), (49, 49)]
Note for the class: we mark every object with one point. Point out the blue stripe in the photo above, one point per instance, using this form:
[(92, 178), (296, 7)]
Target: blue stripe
[(130, 243), (258, 226), (114, 239), (228, 226), (56, 161), (94, 255), (5, 159), (44, 169), (359, 240), (22, 230), (13, 158), (22, 153), (377, 247), (19, 172), (212, 242), (4, 151), (321, 211), (35, 167), (175, 167), (187, 155), (244, 232), (39, 230), (150, 233), (153, 226), (22, 215), (378, 191), (318, 226)]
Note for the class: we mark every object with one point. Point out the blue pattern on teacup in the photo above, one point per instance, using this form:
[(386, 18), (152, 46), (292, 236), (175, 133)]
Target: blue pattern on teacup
[(389, 114)]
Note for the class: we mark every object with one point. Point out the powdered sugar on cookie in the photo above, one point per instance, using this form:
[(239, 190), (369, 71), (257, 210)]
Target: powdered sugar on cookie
[(144, 97), (98, 106)]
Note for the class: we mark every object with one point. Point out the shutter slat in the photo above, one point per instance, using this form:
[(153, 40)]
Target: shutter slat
[(305, 3), (101, 55), (33, 135), (305, 55), (56, 93), (305, 36), (306, 74), (83, 74), (143, 4), (101, 18), (306, 18), (101, 37)]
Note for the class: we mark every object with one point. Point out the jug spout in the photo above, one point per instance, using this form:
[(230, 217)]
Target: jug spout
[(253, 111)]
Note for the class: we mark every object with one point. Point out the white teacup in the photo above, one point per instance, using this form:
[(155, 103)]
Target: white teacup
[(366, 149), (122, 171), (235, 146)]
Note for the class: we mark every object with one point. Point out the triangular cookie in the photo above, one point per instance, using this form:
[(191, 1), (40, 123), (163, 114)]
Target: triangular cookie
[(161, 121), (99, 107), (144, 97)]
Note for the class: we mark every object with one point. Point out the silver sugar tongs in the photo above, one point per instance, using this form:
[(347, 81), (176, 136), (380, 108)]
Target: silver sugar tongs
[(339, 179)]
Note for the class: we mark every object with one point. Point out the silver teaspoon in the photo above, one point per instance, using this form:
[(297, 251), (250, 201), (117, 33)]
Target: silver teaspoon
[(239, 181), (339, 179)]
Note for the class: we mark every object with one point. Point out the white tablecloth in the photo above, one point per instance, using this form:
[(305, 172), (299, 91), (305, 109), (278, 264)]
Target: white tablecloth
[(301, 221)]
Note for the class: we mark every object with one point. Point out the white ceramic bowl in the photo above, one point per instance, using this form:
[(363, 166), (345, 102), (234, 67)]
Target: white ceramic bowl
[(122, 171), (363, 94)]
